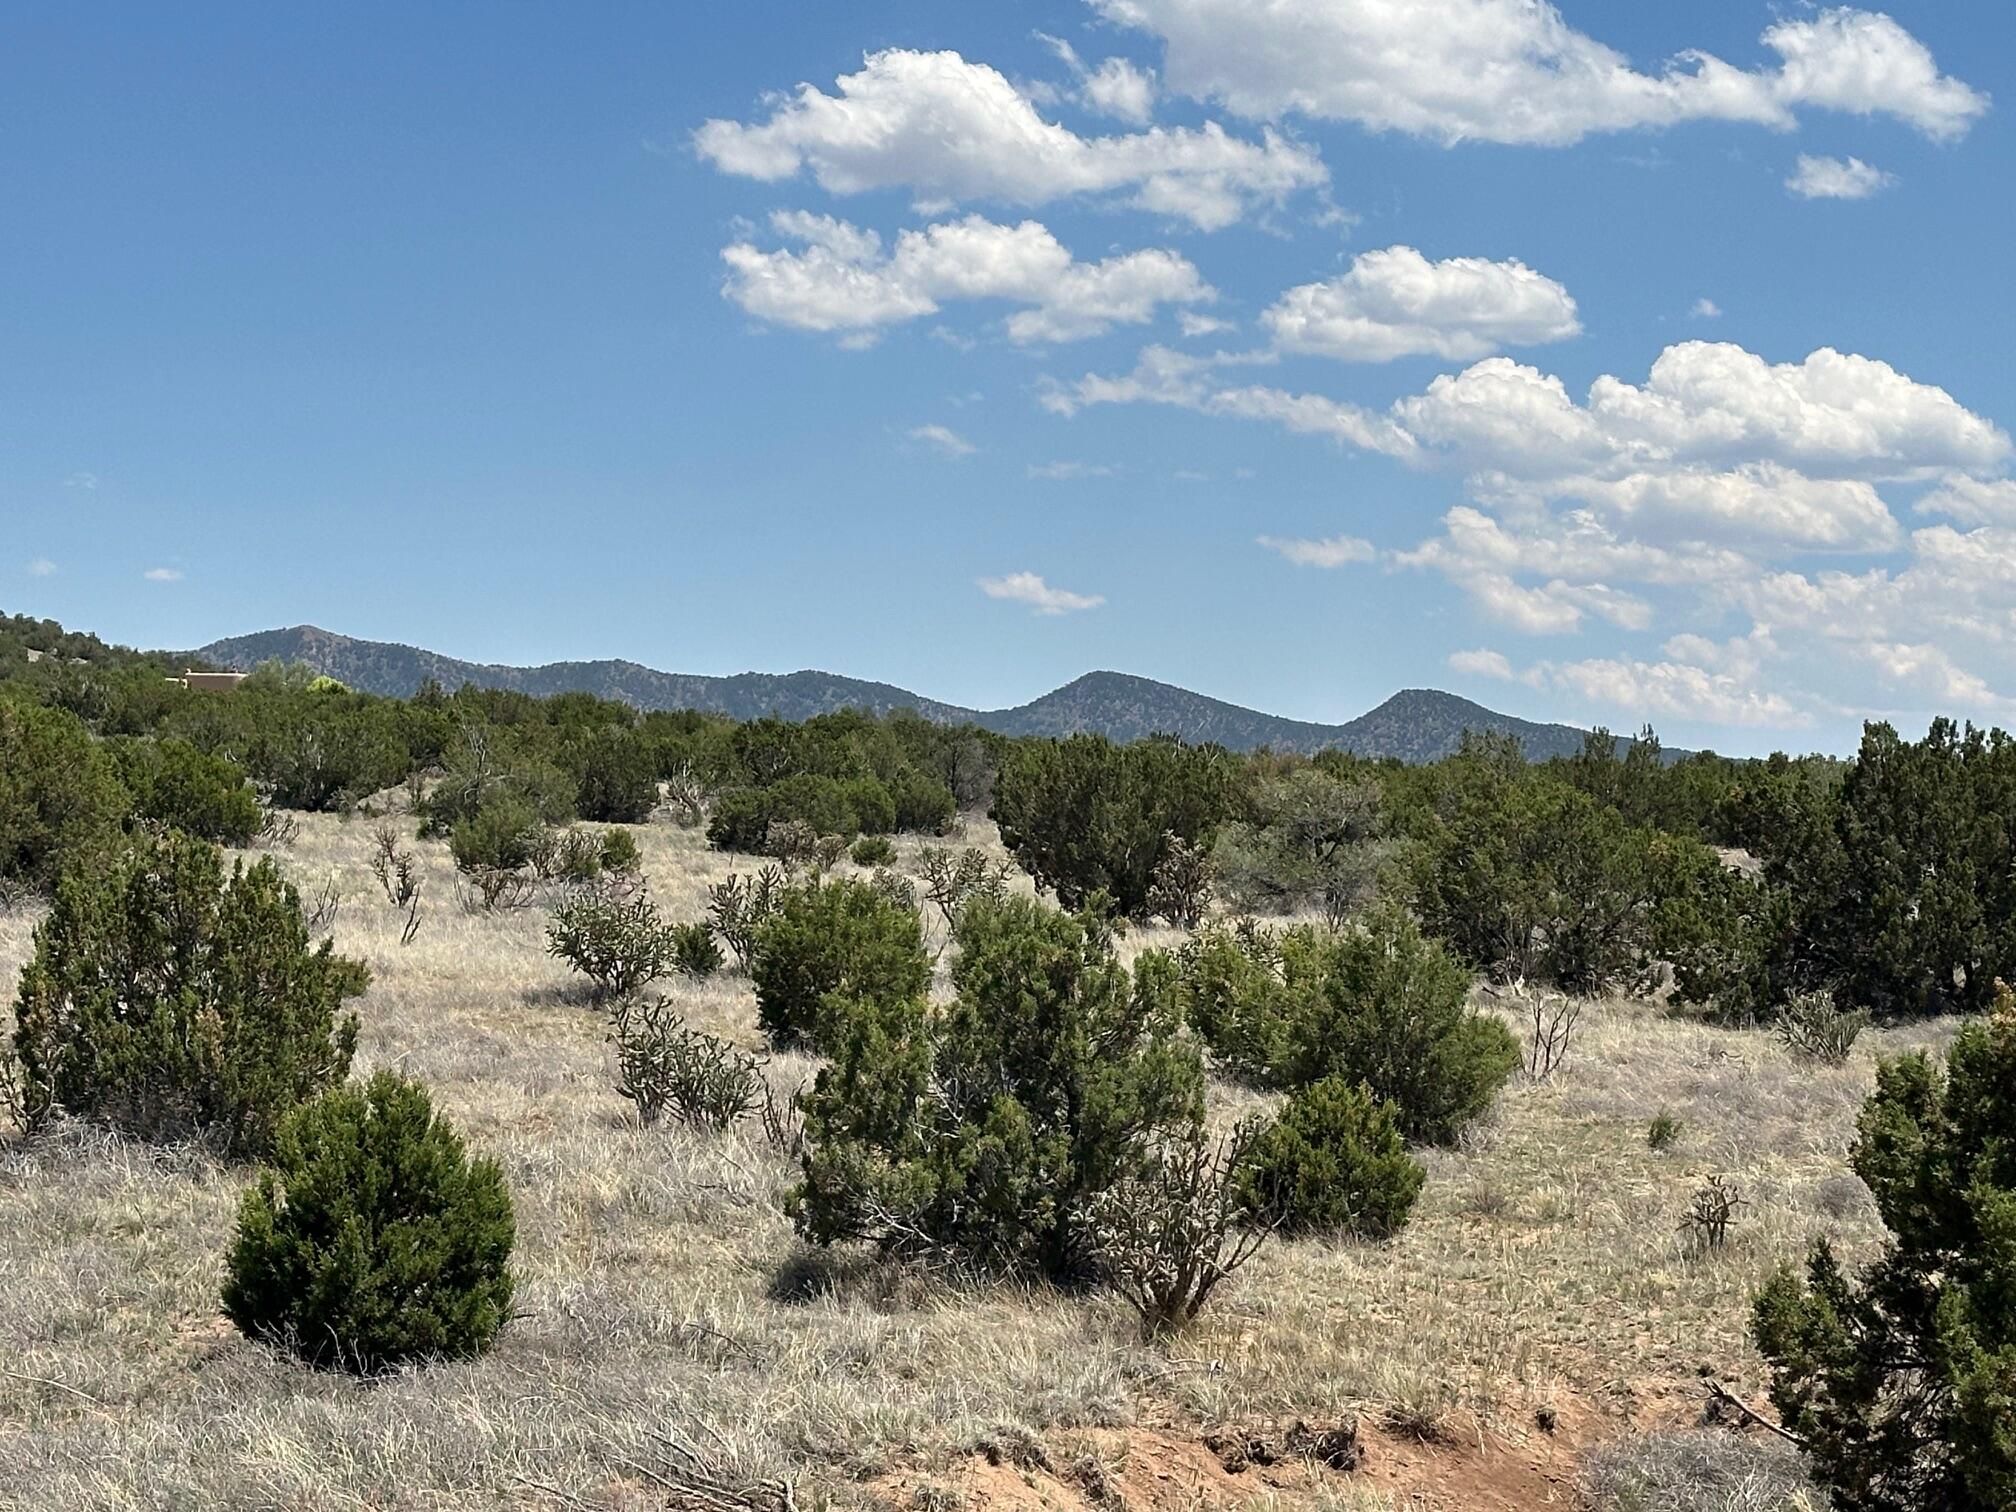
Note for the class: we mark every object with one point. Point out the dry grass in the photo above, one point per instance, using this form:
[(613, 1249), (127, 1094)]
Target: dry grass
[(664, 1296)]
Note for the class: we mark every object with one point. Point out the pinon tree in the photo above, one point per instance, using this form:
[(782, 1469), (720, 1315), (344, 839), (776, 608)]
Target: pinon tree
[(1902, 1380)]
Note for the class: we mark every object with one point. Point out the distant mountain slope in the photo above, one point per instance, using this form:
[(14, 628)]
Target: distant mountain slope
[(1417, 725), (398, 671)]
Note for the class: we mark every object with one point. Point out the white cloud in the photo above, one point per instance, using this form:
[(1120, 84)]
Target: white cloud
[(948, 130), (84, 480), (41, 567), (1335, 551), (946, 440), (1395, 303), (1836, 178), (1706, 403), (1163, 375), (1515, 71), (163, 574), (1674, 690), (1192, 323), (1706, 309), (1067, 472), (1116, 88), (838, 279), (1481, 663), (1028, 588), (1973, 501)]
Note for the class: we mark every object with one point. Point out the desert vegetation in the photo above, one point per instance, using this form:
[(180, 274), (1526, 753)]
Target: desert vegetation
[(480, 1100)]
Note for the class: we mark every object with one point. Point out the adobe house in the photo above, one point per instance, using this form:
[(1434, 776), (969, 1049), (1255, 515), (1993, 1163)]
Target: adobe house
[(210, 682)]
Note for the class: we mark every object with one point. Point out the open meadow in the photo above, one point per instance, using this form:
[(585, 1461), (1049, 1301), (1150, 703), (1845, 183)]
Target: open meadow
[(1538, 1333)]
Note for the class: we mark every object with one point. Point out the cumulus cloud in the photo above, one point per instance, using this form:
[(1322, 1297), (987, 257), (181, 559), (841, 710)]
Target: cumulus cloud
[(1674, 690), (1116, 88), (1706, 309), (163, 574), (1836, 178), (1028, 588), (1515, 71), (1396, 303), (943, 439), (949, 130), (41, 567), (1973, 501), (839, 279), (1336, 551), (1481, 663)]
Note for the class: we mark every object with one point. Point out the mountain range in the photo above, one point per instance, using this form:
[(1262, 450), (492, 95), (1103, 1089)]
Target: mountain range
[(1418, 724)]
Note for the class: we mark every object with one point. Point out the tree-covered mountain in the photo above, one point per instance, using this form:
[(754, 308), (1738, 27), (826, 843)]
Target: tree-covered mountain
[(1416, 725)]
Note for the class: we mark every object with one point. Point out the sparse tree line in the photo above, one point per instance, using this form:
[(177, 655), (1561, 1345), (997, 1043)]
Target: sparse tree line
[(1045, 1114)]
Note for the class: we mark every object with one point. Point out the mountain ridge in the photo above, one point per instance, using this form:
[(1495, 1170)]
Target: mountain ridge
[(1415, 724)]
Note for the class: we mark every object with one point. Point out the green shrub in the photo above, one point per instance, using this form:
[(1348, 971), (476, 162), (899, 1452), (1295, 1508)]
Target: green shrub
[(987, 1130), (615, 774), (375, 1240), (503, 835), (168, 1001), (695, 950), (1084, 815), (1333, 1162), (620, 854), (619, 944), (739, 820), (664, 1066), (870, 809), (1313, 842), (841, 941), (175, 784), (923, 805), (1902, 1381), (61, 801), (1664, 1131), (1379, 1004), (873, 850)]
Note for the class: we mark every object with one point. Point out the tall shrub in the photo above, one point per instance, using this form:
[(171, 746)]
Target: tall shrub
[(1902, 1380), (169, 1001), (830, 945)]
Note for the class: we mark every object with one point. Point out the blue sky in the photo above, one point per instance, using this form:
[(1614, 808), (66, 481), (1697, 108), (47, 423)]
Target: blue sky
[(1603, 363)]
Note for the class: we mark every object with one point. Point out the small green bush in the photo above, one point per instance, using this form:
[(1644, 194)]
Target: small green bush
[(695, 951), (1333, 1162), (170, 1002), (615, 775), (61, 801), (619, 944), (1664, 1131), (843, 940), (1378, 1003), (375, 1240), (505, 834), (620, 854), (873, 850), (175, 784)]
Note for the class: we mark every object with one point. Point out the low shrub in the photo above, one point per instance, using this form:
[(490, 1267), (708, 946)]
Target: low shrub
[(505, 834), (374, 1240), (840, 941), (620, 854), (664, 1066), (695, 951), (1378, 1003), (169, 1001), (619, 944), (872, 850), (61, 801), (1333, 1162)]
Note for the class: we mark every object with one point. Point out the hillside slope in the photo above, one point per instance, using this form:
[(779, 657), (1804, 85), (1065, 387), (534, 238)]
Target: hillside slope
[(1417, 725)]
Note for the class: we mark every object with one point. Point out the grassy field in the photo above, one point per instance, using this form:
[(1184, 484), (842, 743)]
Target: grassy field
[(668, 1316)]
